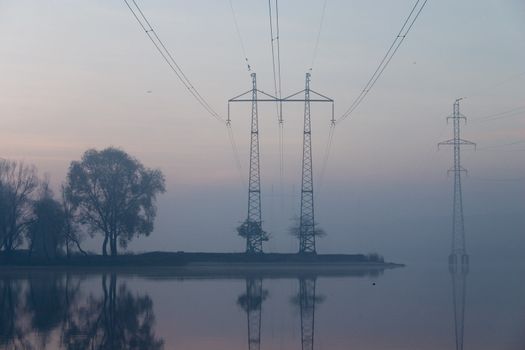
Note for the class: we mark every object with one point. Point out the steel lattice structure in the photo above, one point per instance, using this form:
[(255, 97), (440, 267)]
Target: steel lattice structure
[(307, 222), (458, 273), (251, 302), (255, 235), (307, 301), (459, 250)]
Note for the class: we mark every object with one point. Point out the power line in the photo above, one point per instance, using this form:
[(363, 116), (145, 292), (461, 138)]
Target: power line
[(239, 36), (501, 115), (398, 40), (236, 156), (331, 135), (277, 81), (496, 85), (167, 56), (316, 47)]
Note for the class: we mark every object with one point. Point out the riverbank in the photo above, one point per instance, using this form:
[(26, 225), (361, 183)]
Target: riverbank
[(183, 264)]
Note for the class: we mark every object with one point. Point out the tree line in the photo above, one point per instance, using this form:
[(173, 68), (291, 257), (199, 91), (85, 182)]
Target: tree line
[(107, 192)]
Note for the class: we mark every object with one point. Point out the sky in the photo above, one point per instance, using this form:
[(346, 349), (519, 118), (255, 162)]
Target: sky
[(78, 75)]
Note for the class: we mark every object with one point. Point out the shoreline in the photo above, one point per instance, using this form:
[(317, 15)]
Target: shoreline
[(207, 265)]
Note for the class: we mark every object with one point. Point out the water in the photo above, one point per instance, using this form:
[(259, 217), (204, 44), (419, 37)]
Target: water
[(404, 308)]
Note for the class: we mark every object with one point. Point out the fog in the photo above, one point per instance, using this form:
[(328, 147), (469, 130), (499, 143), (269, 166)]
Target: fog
[(79, 75)]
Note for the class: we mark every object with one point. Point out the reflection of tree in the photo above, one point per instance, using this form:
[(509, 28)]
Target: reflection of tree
[(251, 302), (45, 303), (12, 328), (117, 320)]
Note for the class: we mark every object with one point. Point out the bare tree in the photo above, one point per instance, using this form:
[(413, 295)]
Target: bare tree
[(295, 230), (72, 232), (17, 185), (114, 194), (46, 231)]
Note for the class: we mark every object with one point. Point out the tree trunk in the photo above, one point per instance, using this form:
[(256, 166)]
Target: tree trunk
[(114, 245), (105, 245)]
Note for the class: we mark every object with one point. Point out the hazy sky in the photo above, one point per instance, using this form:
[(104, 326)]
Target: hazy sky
[(76, 75)]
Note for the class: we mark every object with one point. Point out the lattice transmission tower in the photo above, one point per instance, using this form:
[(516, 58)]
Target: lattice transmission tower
[(307, 230), (459, 250), (458, 273), (252, 226)]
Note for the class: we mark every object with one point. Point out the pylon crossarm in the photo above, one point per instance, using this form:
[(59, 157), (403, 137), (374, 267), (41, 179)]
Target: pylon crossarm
[(270, 96), (235, 99), (328, 99), (294, 94)]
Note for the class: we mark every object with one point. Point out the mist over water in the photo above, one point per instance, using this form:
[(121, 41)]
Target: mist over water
[(83, 75), (154, 310)]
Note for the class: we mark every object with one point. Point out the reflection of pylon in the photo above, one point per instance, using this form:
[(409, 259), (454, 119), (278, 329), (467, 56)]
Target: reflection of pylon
[(459, 251), (251, 302), (307, 301), (459, 273)]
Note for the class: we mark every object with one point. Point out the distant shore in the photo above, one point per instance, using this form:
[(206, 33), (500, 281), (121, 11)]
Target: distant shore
[(207, 264)]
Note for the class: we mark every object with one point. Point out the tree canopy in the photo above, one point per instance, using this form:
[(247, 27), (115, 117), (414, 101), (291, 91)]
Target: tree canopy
[(114, 194)]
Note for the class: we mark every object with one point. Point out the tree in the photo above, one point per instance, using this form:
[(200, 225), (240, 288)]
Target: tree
[(17, 185), (72, 233), (256, 229), (295, 230), (46, 231), (114, 194)]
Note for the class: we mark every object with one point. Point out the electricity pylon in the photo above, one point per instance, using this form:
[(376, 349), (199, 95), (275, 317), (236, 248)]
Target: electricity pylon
[(458, 273), (459, 251), (307, 223), (252, 227), (251, 302), (307, 231)]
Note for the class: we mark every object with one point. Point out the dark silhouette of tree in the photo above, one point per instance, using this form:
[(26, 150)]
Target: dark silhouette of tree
[(117, 320), (114, 194), (46, 231), (243, 229), (72, 232), (17, 184), (13, 331), (295, 230)]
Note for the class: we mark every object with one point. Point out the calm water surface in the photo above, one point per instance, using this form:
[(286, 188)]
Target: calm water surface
[(406, 308)]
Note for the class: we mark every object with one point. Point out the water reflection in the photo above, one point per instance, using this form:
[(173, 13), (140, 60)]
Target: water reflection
[(50, 309), (251, 303), (307, 300), (458, 272), (12, 328)]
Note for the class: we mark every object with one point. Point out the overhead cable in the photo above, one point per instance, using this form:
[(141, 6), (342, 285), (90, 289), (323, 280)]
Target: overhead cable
[(398, 40)]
